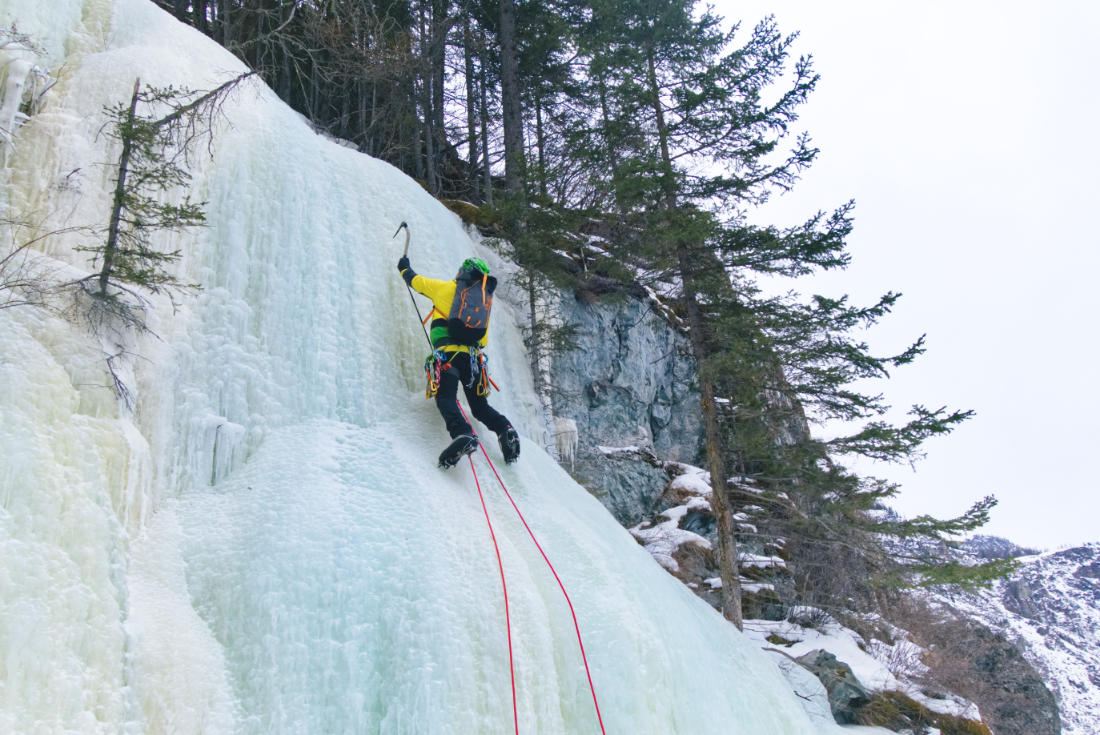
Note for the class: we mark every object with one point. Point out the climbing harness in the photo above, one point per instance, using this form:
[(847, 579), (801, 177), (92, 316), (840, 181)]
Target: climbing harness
[(561, 585), (438, 363)]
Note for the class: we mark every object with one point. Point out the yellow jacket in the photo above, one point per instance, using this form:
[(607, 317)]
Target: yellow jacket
[(441, 293)]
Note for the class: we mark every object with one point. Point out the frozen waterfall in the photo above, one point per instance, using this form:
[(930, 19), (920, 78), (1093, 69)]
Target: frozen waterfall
[(264, 545)]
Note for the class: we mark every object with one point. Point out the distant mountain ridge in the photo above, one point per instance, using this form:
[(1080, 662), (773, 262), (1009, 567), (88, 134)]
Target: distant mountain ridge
[(995, 547), (1049, 608)]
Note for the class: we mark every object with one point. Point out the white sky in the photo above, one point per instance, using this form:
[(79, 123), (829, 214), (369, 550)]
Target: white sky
[(965, 132)]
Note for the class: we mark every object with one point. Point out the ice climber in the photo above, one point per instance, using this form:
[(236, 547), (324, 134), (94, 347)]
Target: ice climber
[(457, 356)]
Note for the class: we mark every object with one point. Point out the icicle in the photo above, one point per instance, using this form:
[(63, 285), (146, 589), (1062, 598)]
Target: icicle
[(566, 439), (17, 70)]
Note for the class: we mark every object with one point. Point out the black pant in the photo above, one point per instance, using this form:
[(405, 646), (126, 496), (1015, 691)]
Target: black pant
[(446, 399)]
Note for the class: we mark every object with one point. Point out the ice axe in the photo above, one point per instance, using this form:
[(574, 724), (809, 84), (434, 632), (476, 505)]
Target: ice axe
[(408, 237)]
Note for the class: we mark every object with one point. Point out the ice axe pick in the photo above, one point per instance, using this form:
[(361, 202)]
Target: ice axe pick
[(407, 236)]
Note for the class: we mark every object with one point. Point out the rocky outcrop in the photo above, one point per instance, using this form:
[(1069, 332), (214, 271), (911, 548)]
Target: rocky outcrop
[(980, 663), (618, 391), (681, 536), (846, 695), (1051, 608), (630, 388), (1024, 705)]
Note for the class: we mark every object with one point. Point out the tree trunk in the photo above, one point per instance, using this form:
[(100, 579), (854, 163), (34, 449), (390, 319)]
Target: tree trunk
[(485, 122), (510, 100), (605, 127), (667, 184), (440, 28), (111, 245), (224, 32), (471, 110), (199, 15), (540, 143), (728, 564), (535, 348), (426, 148)]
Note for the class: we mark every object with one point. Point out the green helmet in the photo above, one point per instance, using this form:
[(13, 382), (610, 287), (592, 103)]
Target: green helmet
[(475, 263)]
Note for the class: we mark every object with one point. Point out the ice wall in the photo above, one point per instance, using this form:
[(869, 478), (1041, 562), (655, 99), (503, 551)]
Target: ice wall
[(264, 545)]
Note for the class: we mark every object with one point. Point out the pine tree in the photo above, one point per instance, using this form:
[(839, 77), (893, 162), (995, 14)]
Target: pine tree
[(154, 145)]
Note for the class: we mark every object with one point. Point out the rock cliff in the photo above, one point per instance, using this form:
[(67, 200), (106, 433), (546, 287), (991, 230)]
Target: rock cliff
[(630, 388)]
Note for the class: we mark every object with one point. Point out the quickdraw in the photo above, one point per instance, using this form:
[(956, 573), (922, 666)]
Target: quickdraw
[(479, 373), (434, 365)]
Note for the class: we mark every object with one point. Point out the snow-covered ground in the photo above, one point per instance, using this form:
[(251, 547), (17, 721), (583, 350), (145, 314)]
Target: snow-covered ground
[(878, 666), (873, 663)]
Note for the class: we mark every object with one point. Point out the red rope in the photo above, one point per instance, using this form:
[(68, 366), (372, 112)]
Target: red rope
[(576, 625), (504, 586)]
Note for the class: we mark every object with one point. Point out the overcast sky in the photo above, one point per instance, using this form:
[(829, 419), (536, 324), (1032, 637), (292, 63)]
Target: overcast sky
[(966, 133)]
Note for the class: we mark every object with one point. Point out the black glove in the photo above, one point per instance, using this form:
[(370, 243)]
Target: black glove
[(403, 263)]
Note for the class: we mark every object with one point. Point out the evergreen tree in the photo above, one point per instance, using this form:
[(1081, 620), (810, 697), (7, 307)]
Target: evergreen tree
[(785, 356), (154, 143)]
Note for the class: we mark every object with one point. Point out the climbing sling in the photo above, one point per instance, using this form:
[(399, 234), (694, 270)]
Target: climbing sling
[(438, 363)]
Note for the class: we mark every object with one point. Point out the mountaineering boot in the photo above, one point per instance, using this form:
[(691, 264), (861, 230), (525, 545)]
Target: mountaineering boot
[(509, 445), (459, 448)]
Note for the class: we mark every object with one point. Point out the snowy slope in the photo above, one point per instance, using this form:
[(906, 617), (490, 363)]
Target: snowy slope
[(264, 544), (1050, 608)]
